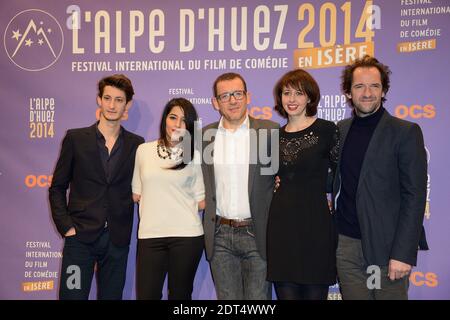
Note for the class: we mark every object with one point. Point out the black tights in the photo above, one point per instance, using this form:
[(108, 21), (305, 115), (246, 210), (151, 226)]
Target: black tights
[(296, 291)]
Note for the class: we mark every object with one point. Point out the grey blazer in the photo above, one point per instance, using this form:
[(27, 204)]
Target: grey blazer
[(260, 187), (391, 193)]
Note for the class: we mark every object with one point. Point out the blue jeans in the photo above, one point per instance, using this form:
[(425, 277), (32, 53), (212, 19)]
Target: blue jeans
[(237, 268)]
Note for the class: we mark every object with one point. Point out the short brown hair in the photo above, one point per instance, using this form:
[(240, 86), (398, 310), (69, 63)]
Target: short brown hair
[(301, 80), (119, 81), (365, 62), (226, 77)]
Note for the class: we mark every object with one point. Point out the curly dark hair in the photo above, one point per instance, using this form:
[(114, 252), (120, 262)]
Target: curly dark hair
[(365, 62)]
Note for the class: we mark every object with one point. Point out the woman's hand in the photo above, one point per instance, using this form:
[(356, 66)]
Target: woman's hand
[(201, 205), (136, 197), (277, 183)]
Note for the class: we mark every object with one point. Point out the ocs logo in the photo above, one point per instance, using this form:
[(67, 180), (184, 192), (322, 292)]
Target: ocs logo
[(33, 40), (415, 111), (427, 279), (41, 181), (261, 112)]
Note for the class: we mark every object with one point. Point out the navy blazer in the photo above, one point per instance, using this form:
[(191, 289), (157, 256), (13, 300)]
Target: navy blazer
[(92, 200)]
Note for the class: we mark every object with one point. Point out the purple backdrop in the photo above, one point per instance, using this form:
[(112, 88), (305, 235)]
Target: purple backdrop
[(54, 52)]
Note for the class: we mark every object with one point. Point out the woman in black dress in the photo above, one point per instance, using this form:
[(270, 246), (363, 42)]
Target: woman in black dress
[(301, 236)]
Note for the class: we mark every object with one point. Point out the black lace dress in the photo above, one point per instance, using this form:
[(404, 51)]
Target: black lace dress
[(301, 235)]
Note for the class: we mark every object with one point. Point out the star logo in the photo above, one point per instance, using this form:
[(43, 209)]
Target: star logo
[(16, 34), (28, 42), (31, 42)]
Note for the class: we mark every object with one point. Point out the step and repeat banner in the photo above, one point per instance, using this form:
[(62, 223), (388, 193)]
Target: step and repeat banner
[(54, 52)]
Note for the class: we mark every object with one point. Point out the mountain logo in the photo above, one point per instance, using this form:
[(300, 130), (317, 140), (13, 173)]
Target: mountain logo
[(33, 40)]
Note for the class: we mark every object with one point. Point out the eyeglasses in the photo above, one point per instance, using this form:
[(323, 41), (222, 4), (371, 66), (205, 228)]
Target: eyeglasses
[(225, 97)]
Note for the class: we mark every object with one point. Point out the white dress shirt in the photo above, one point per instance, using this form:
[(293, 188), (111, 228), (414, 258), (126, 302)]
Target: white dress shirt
[(231, 162)]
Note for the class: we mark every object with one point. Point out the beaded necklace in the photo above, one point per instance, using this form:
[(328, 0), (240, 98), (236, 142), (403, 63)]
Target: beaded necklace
[(165, 153)]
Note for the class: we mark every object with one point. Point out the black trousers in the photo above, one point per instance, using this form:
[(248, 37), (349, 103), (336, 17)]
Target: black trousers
[(78, 263), (176, 256), (296, 291)]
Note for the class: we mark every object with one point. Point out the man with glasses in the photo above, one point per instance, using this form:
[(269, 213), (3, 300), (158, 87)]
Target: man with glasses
[(238, 192)]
